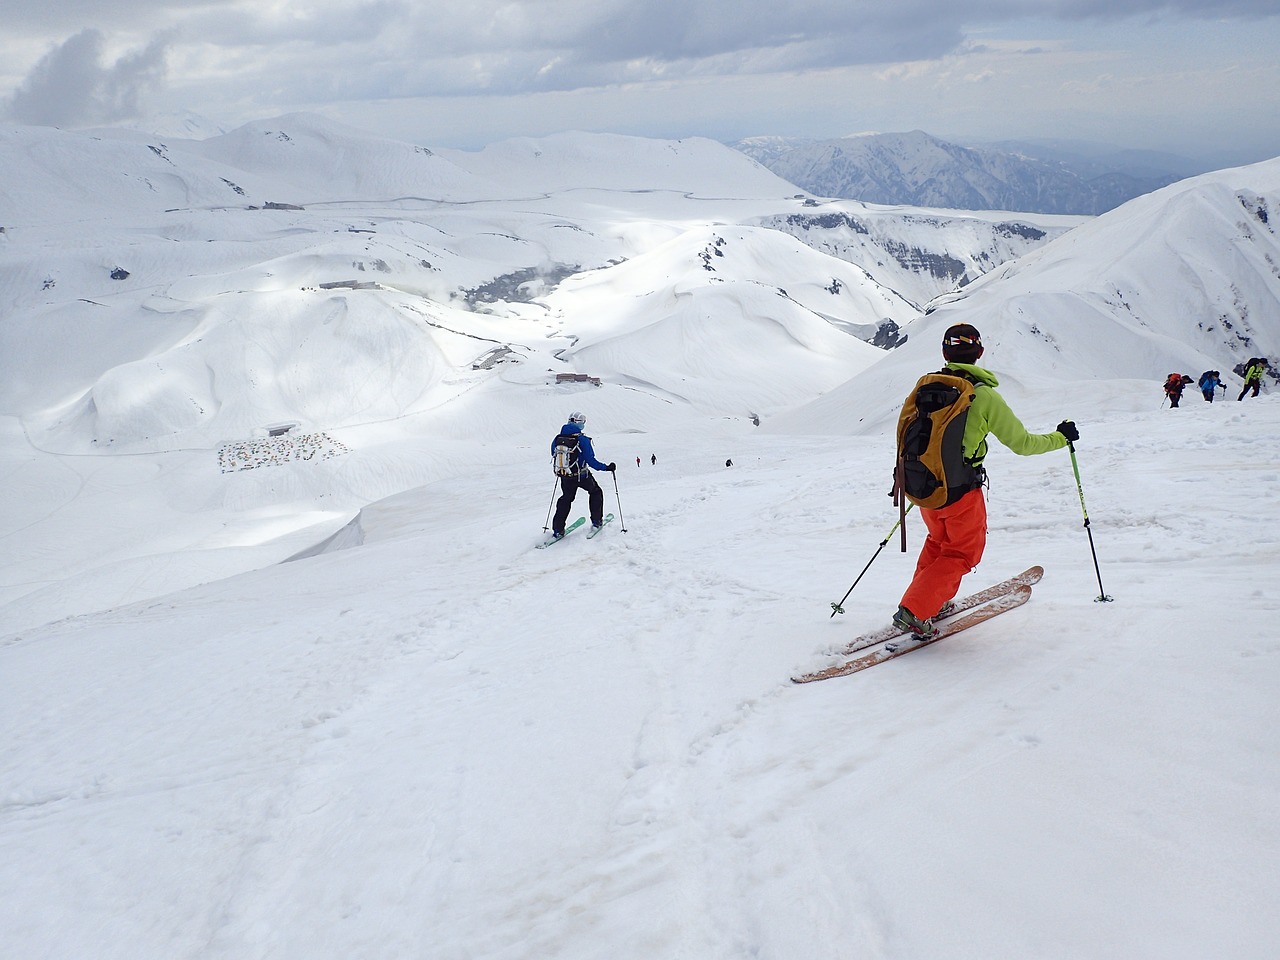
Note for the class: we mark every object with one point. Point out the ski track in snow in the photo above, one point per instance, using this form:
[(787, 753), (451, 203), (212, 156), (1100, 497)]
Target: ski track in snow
[(535, 749), (442, 743)]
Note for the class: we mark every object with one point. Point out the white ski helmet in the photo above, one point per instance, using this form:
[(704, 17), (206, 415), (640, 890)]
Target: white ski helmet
[(577, 417)]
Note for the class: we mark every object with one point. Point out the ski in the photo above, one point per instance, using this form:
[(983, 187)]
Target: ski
[(567, 530), (1027, 577), (1014, 597), (595, 530)]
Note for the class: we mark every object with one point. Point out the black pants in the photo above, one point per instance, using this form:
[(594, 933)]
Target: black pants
[(1250, 386), (569, 487)]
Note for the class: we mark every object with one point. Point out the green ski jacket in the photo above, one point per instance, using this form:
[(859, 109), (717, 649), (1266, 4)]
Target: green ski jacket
[(989, 413)]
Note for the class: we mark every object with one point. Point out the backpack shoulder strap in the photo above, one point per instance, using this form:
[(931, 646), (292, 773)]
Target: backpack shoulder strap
[(963, 375)]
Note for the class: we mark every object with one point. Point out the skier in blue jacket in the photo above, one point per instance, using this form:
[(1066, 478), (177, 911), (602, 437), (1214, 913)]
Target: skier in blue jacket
[(579, 477), (1210, 381)]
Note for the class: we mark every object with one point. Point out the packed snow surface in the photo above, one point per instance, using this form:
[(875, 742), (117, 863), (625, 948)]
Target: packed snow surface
[(421, 737)]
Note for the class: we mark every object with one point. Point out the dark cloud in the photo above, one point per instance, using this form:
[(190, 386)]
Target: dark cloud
[(70, 86), (866, 29), (545, 45), (1120, 9), (27, 19), (306, 52), (332, 25), (503, 46)]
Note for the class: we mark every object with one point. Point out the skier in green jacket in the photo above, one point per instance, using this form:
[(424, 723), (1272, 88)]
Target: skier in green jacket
[(1253, 371), (958, 532)]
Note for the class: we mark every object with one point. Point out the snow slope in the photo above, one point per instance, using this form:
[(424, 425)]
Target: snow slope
[(170, 302), (1185, 279), (446, 744), (422, 738)]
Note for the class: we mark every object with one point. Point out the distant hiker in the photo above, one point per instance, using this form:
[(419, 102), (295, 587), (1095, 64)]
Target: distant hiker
[(1253, 371), (728, 463), (954, 513), (1209, 383), (1174, 384), (653, 460), (637, 461), (572, 454)]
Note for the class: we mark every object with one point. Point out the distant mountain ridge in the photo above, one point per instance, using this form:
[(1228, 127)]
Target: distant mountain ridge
[(917, 169)]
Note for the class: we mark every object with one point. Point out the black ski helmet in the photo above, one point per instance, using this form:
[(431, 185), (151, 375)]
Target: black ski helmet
[(962, 343)]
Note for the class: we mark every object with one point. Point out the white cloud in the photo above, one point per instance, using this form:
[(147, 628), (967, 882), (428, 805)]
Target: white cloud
[(70, 86)]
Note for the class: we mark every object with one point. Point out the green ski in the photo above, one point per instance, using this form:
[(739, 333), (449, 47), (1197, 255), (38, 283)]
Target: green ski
[(567, 530)]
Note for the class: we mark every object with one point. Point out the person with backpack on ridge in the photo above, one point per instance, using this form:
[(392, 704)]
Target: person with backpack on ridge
[(1209, 383), (1253, 371), (1174, 384), (955, 514), (572, 455)]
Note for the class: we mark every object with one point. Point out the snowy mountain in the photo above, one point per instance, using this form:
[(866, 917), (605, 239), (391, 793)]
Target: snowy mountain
[(183, 124), (1089, 160), (216, 287), (1059, 316), (920, 170), (919, 254), (281, 674)]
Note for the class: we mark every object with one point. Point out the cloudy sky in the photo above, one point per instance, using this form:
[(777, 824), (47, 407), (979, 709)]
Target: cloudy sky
[(1199, 77)]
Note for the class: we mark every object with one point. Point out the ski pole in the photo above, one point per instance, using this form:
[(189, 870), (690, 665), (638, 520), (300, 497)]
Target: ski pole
[(617, 496), (837, 607), (1102, 594), (547, 526)]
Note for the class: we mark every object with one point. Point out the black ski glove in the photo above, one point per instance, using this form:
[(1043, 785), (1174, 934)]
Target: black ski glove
[(1068, 429), (613, 467)]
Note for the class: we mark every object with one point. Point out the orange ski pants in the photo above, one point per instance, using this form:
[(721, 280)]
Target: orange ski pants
[(957, 537)]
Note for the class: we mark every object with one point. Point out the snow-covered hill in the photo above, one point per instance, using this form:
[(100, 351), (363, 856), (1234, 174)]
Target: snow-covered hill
[(920, 254), (197, 320), (1186, 279), (421, 737)]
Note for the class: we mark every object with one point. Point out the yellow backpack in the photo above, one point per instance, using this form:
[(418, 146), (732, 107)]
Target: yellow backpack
[(931, 469)]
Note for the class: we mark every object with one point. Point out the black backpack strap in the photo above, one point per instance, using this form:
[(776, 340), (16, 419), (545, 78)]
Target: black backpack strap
[(962, 374)]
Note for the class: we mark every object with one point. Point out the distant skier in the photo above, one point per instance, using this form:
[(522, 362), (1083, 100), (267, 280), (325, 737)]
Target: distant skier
[(958, 529), (1209, 383), (653, 460), (1174, 384), (1253, 371), (572, 453), (637, 461)]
